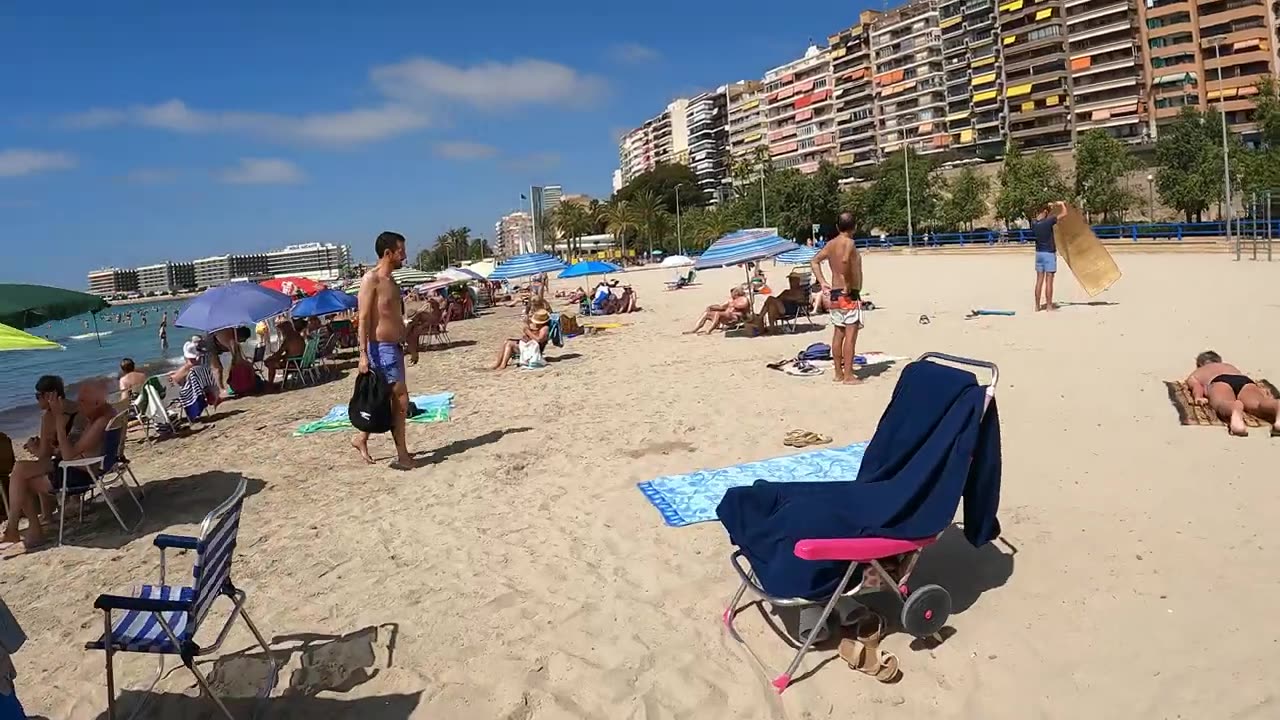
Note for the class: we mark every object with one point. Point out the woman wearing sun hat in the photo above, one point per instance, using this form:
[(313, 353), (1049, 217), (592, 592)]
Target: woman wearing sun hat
[(528, 349)]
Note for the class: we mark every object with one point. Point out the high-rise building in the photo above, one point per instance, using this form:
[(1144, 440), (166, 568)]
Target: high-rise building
[(851, 87), (746, 120), (1105, 65), (222, 269), (1207, 55), (671, 134), (113, 281), (799, 114), (617, 180), (551, 195), (911, 97), (972, 72), (1036, 90), (514, 234), (314, 260), (167, 277), (708, 143), (635, 152)]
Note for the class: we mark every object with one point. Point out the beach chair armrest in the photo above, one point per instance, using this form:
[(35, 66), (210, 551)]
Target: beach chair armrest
[(122, 602), (856, 549), (181, 542), (81, 462)]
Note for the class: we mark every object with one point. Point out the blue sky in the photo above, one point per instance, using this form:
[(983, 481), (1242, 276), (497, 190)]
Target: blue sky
[(133, 133)]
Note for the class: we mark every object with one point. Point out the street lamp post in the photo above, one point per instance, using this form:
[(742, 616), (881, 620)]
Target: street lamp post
[(906, 171), (764, 222), (1151, 197), (1226, 160), (679, 241)]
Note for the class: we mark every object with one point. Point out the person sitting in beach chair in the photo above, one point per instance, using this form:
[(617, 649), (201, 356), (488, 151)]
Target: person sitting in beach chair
[(729, 314), (292, 345), (198, 390), (1230, 393), (131, 381), (528, 349), (68, 431)]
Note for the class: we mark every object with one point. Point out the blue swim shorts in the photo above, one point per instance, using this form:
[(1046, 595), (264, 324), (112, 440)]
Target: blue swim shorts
[(388, 360), (1046, 262)]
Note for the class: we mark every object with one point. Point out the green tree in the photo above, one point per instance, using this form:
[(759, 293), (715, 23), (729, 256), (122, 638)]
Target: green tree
[(1259, 168), (661, 227), (1027, 184), (574, 221), (662, 182), (1189, 160), (966, 200), (702, 226), (886, 199), (647, 206), (620, 219), (1102, 164)]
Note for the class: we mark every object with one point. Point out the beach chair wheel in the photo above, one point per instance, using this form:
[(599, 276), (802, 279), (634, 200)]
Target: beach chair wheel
[(868, 305), (926, 611)]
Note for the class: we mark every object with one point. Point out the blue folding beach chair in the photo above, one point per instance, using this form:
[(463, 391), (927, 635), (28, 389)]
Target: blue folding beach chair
[(164, 619), (104, 470)]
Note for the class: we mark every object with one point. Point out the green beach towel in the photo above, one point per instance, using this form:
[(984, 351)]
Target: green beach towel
[(431, 409)]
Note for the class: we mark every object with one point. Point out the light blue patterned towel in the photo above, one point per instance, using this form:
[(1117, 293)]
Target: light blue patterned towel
[(688, 499)]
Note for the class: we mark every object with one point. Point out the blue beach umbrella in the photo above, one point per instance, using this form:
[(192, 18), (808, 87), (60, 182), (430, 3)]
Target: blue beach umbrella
[(325, 302), (744, 246), (589, 267), (525, 265), (800, 256), (232, 305)]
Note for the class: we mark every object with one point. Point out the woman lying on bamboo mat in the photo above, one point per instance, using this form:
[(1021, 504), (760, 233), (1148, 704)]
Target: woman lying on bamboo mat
[(1230, 393)]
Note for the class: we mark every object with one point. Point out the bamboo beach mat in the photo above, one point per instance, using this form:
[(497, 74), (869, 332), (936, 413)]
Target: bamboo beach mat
[(1085, 254)]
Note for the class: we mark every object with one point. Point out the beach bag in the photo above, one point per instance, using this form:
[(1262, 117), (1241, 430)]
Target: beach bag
[(370, 406), (531, 355), (816, 351)]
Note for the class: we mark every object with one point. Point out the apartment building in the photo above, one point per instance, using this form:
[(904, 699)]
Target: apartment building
[(707, 120), (910, 85), (166, 277), (222, 269), (314, 260), (635, 153), (799, 113), (746, 119), (1036, 91), (1207, 54), (856, 145), (1106, 71), (113, 281), (671, 134), (973, 76), (514, 234)]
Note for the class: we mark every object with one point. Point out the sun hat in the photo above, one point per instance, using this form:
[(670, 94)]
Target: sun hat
[(540, 317)]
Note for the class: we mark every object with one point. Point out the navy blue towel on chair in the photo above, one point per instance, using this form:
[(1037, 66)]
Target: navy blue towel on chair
[(932, 447)]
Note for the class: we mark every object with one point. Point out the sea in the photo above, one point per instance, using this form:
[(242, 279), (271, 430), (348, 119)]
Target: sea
[(92, 352)]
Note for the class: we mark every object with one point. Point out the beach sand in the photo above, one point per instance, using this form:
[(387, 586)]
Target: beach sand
[(520, 574)]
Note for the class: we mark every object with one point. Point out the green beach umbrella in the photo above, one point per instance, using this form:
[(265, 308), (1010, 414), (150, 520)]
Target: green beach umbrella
[(26, 306), (12, 339)]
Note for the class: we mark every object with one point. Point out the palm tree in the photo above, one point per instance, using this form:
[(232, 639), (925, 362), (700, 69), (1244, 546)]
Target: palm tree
[(647, 206), (459, 243), (660, 227), (620, 218), (551, 231), (574, 221), (708, 225)]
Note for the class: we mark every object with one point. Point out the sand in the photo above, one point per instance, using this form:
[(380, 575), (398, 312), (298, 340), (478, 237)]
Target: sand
[(519, 574)]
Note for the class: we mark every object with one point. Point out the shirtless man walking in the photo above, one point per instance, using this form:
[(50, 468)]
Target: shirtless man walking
[(843, 295), (381, 332), (1230, 393)]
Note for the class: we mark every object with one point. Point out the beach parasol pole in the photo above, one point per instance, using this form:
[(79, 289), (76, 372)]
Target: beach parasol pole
[(96, 334)]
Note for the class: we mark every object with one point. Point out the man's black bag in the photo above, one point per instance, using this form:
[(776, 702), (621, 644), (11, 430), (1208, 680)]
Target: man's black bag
[(370, 406)]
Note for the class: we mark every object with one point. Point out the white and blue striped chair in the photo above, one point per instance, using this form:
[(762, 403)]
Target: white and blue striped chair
[(163, 619)]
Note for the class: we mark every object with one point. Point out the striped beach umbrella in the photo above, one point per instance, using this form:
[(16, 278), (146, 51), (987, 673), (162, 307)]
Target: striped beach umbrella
[(525, 265), (744, 246), (407, 277), (800, 256)]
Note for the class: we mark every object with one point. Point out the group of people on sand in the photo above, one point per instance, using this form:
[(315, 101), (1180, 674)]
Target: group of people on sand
[(603, 300)]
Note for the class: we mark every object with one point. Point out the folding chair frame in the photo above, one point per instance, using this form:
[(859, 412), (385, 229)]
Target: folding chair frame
[(94, 466), (855, 551), (189, 651)]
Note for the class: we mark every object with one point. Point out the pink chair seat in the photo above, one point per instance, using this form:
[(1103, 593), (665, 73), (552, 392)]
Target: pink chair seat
[(857, 549)]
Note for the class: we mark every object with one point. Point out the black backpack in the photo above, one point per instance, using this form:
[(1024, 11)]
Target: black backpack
[(370, 406)]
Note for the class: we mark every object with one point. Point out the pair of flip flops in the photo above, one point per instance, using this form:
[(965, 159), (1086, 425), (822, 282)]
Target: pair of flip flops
[(804, 438), (802, 368), (862, 651)]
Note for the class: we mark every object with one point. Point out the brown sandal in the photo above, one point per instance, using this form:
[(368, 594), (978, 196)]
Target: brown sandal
[(879, 664)]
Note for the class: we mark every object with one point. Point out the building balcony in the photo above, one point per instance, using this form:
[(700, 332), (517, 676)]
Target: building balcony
[(1133, 81), (1098, 10), (1122, 27)]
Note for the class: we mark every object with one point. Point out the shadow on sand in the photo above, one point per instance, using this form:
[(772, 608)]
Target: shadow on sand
[(331, 664), (457, 447)]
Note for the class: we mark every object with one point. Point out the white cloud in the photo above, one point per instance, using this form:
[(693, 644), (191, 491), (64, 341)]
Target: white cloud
[(487, 85), (348, 127), (262, 171), (465, 150), (18, 161), (630, 53)]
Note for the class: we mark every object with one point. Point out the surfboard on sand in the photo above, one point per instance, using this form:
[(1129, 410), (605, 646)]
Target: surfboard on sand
[(1084, 253)]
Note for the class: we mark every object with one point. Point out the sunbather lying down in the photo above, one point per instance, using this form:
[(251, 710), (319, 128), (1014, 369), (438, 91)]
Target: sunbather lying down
[(1230, 393)]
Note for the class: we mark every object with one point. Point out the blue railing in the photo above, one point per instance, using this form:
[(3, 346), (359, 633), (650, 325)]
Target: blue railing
[(1134, 232)]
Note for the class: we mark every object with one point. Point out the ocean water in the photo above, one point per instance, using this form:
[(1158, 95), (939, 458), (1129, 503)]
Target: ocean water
[(84, 358)]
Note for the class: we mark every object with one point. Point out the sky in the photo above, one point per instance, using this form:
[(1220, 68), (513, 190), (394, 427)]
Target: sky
[(136, 132)]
